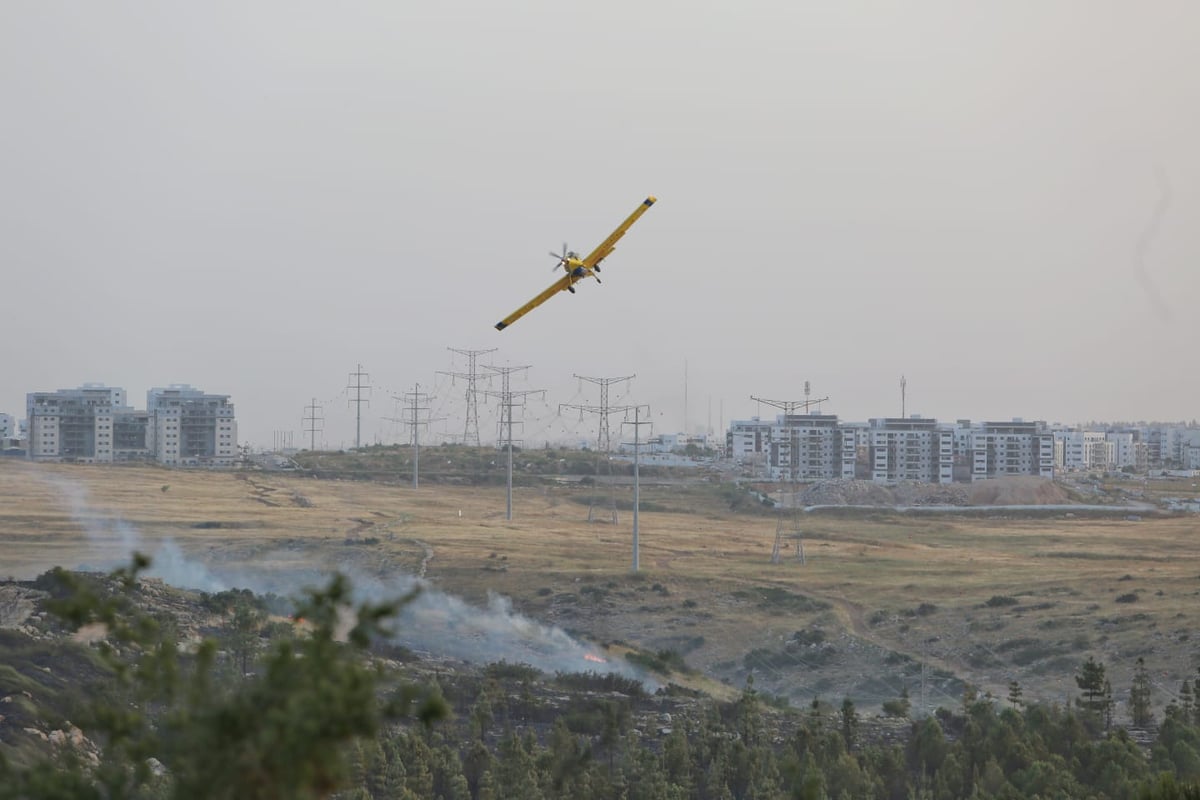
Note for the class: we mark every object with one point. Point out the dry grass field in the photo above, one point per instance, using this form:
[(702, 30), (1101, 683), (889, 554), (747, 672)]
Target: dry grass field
[(884, 601)]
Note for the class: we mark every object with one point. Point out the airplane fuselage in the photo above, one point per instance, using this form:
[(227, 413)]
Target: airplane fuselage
[(576, 270)]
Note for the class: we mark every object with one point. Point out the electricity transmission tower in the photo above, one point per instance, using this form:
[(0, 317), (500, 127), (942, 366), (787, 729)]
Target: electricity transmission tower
[(471, 431), (415, 398), (357, 385), (637, 424), (310, 417), (508, 400), (789, 408), (603, 442)]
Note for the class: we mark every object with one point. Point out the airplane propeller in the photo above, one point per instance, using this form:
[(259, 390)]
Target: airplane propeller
[(562, 259)]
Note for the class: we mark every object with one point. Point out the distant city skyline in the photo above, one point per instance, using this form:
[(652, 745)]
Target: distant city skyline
[(545, 420)]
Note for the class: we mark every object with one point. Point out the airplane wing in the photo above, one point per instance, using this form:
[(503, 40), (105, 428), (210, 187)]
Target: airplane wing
[(606, 247), (558, 286)]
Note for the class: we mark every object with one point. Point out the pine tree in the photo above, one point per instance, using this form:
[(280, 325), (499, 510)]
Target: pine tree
[(1015, 694), (487, 787), (516, 771), (1139, 696), (1090, 681), (849, 723), (477, 762), (677, 760)]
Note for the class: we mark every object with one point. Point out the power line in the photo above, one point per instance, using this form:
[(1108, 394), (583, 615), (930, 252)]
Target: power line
[(357, 400), (471, 429)]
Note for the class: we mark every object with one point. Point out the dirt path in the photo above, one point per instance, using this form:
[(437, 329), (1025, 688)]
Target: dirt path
[(851, 615), (427, 558)]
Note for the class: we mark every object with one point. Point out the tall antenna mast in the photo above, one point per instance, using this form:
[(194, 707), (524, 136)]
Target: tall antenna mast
[(508, 400), (471, 431), (310, 416), (358, 386), (903, 392)]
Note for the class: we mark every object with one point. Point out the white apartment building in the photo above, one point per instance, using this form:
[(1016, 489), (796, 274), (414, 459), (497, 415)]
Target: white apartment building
[(1012, 448), (190, 428), (74, 424), (746, 440), (912, 449), (1175, 442), (8, 426), (1075, 451), (1123, 452), (797, 447)]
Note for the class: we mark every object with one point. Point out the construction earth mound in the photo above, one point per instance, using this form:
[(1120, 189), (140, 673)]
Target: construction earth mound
[(1017, 490)]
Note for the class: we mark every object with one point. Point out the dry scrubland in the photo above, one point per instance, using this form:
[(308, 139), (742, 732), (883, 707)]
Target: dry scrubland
[(885, 601)]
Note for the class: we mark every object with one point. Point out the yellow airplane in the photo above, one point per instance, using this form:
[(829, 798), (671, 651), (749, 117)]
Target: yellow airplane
[(578, 268)]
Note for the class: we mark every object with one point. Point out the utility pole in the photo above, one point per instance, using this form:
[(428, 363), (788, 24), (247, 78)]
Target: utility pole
[(509, 399), (415, 398), (903, 397), (310, 417), (637, 446), (357, 385), (603, 443), (789, 408), (685, 397), (471, 431)]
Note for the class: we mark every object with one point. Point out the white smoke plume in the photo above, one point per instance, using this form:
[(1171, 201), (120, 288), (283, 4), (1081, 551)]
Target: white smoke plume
[(113, 541), (434, 622)]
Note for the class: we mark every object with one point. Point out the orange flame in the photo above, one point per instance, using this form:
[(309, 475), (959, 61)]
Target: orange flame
[(597, 659)]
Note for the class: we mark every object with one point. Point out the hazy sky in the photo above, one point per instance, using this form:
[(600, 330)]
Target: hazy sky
[(255, 197)]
